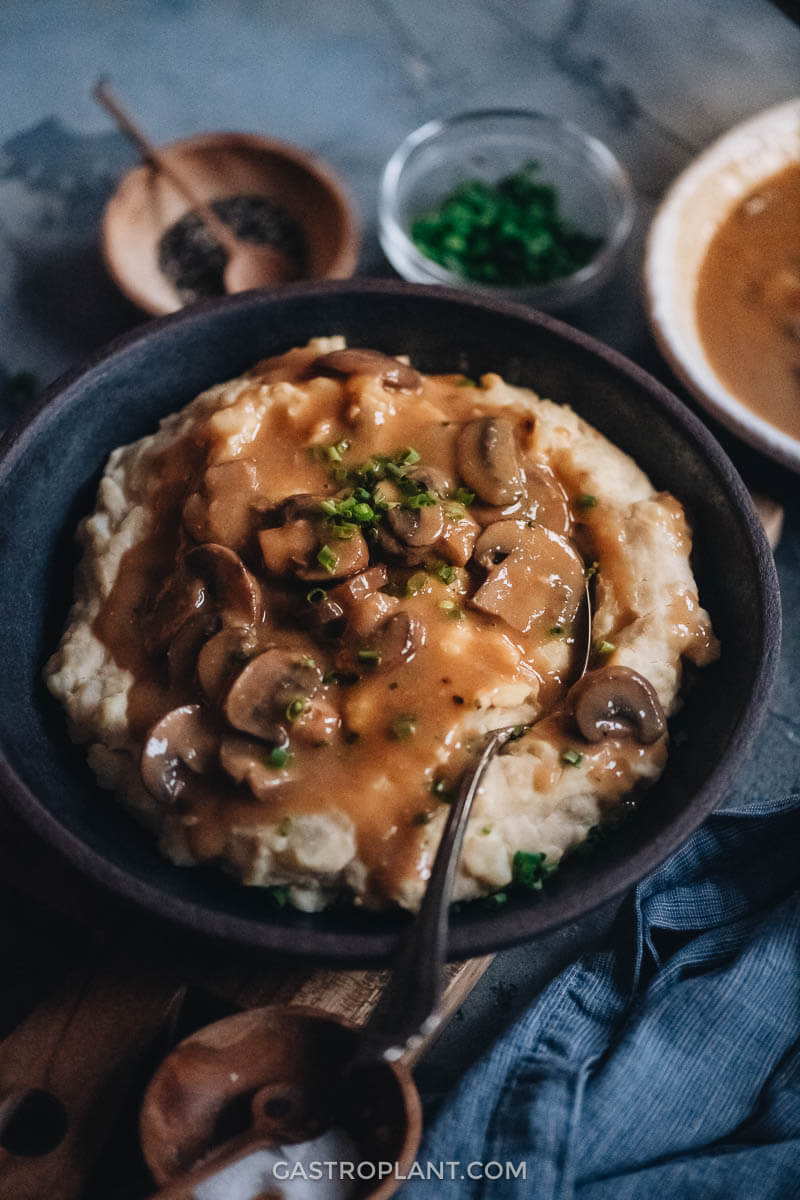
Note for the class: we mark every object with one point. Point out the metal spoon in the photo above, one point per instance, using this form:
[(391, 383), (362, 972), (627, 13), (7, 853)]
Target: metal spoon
[(249, 265)]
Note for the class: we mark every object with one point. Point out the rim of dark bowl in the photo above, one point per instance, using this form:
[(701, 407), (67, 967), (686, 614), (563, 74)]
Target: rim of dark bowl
[(498, 929)]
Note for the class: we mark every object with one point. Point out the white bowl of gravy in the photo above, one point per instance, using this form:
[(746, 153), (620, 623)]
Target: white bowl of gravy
[(722, 280)]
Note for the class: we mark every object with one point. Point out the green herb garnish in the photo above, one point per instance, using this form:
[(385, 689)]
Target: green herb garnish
[(371, 658), (403, 727), (327, 559), (602, 647), (510, 232), (284, 825), (530, 870), (573, 758), (279, 757), (586, 501), (295, 708)]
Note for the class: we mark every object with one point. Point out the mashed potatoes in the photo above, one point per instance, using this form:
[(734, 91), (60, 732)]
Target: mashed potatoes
[(304, 600)]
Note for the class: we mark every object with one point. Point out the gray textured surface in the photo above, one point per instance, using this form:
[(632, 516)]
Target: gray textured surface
[(348, 80)]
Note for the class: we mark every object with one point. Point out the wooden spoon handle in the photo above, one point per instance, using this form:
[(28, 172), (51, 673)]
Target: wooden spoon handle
[(71, 1062), (151, 153)]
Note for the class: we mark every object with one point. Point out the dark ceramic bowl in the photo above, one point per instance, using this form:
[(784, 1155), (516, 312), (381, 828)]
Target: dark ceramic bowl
[(48, 475)]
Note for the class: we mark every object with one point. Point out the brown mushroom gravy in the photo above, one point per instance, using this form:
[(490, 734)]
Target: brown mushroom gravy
[(748, 301), (347, 571)]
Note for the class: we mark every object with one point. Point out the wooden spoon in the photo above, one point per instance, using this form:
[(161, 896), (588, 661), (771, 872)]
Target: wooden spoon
[(249, 265)]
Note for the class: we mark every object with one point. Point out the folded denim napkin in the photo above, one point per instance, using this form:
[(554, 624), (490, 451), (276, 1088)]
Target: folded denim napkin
[(667, 1064)]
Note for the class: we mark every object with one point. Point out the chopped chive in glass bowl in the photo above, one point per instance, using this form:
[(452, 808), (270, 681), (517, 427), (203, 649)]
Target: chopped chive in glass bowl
[(514, 203)]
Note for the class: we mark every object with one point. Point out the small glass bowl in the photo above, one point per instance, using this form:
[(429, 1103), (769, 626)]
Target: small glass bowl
[(594, 193)]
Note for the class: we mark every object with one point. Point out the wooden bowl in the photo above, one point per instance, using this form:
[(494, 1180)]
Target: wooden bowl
[(200, 1096), (217, 165)]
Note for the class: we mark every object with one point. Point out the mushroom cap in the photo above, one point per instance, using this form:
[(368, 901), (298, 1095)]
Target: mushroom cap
[(246, 761), (416, 526), (299, 530), (223, 656), (187, 644), (538, 576), (394, 375), (488, 460), (617, 701), (397, 639), (232, 589), (181, 744), (261, 693), (221, 510)]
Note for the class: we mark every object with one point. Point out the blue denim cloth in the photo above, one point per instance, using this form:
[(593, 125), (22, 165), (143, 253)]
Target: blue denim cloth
[(669, 1063)]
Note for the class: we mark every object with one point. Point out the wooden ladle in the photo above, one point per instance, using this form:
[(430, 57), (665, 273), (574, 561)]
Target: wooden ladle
[(249, 265)]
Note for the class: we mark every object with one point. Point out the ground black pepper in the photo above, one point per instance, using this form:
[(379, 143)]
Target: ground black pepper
[(193, 260)]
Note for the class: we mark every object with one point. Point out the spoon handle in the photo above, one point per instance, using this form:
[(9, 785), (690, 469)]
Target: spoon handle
[(151, 153), (406, 1012)]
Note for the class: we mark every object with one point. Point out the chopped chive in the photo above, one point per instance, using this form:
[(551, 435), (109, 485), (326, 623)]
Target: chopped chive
[(556, 630), (530, 870), (295, 708), (403, 727), (446, 573), (572, 758), (410, 457), (332, 454), (447, 605), (327, 559), (454, 511), (279, 756), (518, 732), (586, 500), (279, 895), (463, 496), (416, 583), (496, 900), (345, 531), (329, 506), (419, 500), (284, 825), (601, 646), (343, 445), (315, 596), (487, 829), (373, 657)]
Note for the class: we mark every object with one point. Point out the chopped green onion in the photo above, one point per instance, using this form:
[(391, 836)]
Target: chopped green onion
[(530, 870), (327, 559), (420, 500), (496, 900), (279, 895), (345, 531), (315, 596), (601, 646), (556, 630), (416, 583), (410, 457), (332, 454), (372, 657), (572, 758), (295, 708), (403, 727), (284, 826), (279, 756), (462, 496), (329, 506), (446, 573), (487, 829), (586, 500)]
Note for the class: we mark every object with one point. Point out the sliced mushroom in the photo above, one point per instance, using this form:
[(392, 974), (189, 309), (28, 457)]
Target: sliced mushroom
[(397, 640), (537, 576), (232, 589), (302, 543), (261, 694), (222, 508), (361, 602), (394, 375), (617, 702), (414, 526), (488, 460), (182, 744), (187, 644), (317, 724), (181, 598), (247, 761), (325, 617), (223, 656)]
